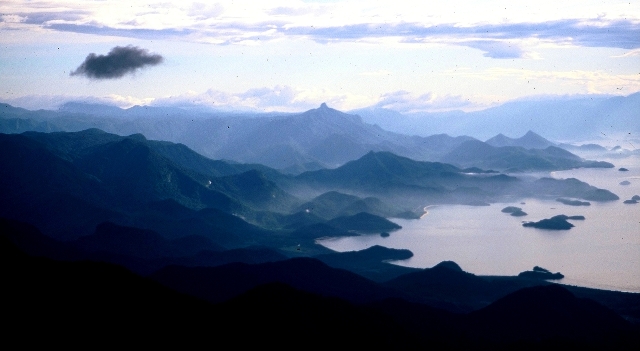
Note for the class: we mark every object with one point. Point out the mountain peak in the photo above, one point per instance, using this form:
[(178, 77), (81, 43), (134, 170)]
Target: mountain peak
[(324, 106)]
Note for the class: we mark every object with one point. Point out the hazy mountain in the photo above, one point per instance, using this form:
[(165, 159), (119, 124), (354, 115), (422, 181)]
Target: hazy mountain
[(530, 140), (296, 142), (558, 118), (475, 153), (67, 183), (412, 184), (363, 222), (333, 204)]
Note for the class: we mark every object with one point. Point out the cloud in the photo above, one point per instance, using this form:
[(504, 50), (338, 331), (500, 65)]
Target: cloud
[(590, 82), (119, 61), (205, 11), (497, 49), (290, 11), (488, 37), (44, 17), (285, 98), (281, 98), (631, 53), (378, 73), (234, 24), (406, 102), (277, 98), (138, 33), (53, 102)]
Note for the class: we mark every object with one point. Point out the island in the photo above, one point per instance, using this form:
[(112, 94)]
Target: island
[(573, 202), (541, 273), (558, 222), (622, 169), (625, 182), (514, 211)]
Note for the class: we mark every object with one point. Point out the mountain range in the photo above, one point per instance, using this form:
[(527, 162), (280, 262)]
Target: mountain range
[(292, 143), (99, 226), (575, 119)]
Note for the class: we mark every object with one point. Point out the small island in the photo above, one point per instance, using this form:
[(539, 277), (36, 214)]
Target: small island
[(514, 211), (573, 202), (541, 273), (622, 169), (554, 223), (625, 182)]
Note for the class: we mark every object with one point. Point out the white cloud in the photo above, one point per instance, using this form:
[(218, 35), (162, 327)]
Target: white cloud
[(631, 53), (406, 102), (277, 98), (484, 25), (378, 73), (589, 82), (52, 102)]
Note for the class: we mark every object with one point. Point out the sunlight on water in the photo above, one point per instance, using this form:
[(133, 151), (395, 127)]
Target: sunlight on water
[(603, 251)]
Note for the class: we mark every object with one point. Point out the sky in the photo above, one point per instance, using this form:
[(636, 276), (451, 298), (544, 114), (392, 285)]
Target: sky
[(410, 56)]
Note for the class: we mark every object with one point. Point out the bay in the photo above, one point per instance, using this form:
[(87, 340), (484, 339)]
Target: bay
[(602, 251)]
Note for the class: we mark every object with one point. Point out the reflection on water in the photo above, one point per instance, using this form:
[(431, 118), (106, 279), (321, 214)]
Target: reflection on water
[(602, 251)]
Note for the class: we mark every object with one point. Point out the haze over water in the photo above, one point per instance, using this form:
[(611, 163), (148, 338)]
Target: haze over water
[(603, 251)]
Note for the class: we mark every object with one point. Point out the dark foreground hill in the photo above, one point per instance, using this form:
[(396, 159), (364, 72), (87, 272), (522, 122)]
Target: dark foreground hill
[(104, 302)]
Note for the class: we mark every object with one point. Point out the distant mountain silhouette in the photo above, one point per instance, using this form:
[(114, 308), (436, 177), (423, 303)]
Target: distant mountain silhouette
[(530, 140), (294, 142), (404, 182), (558, 118), (516, 158)]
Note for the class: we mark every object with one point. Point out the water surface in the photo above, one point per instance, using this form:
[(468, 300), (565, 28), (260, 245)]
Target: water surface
[(603, 251)]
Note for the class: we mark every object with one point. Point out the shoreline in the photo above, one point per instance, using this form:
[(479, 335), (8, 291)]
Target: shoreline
[(426, 210)]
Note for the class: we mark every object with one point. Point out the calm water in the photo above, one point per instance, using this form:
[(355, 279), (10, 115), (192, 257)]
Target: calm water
[(602, 251)]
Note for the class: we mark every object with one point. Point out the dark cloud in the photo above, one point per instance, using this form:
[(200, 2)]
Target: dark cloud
[(119, 61)]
